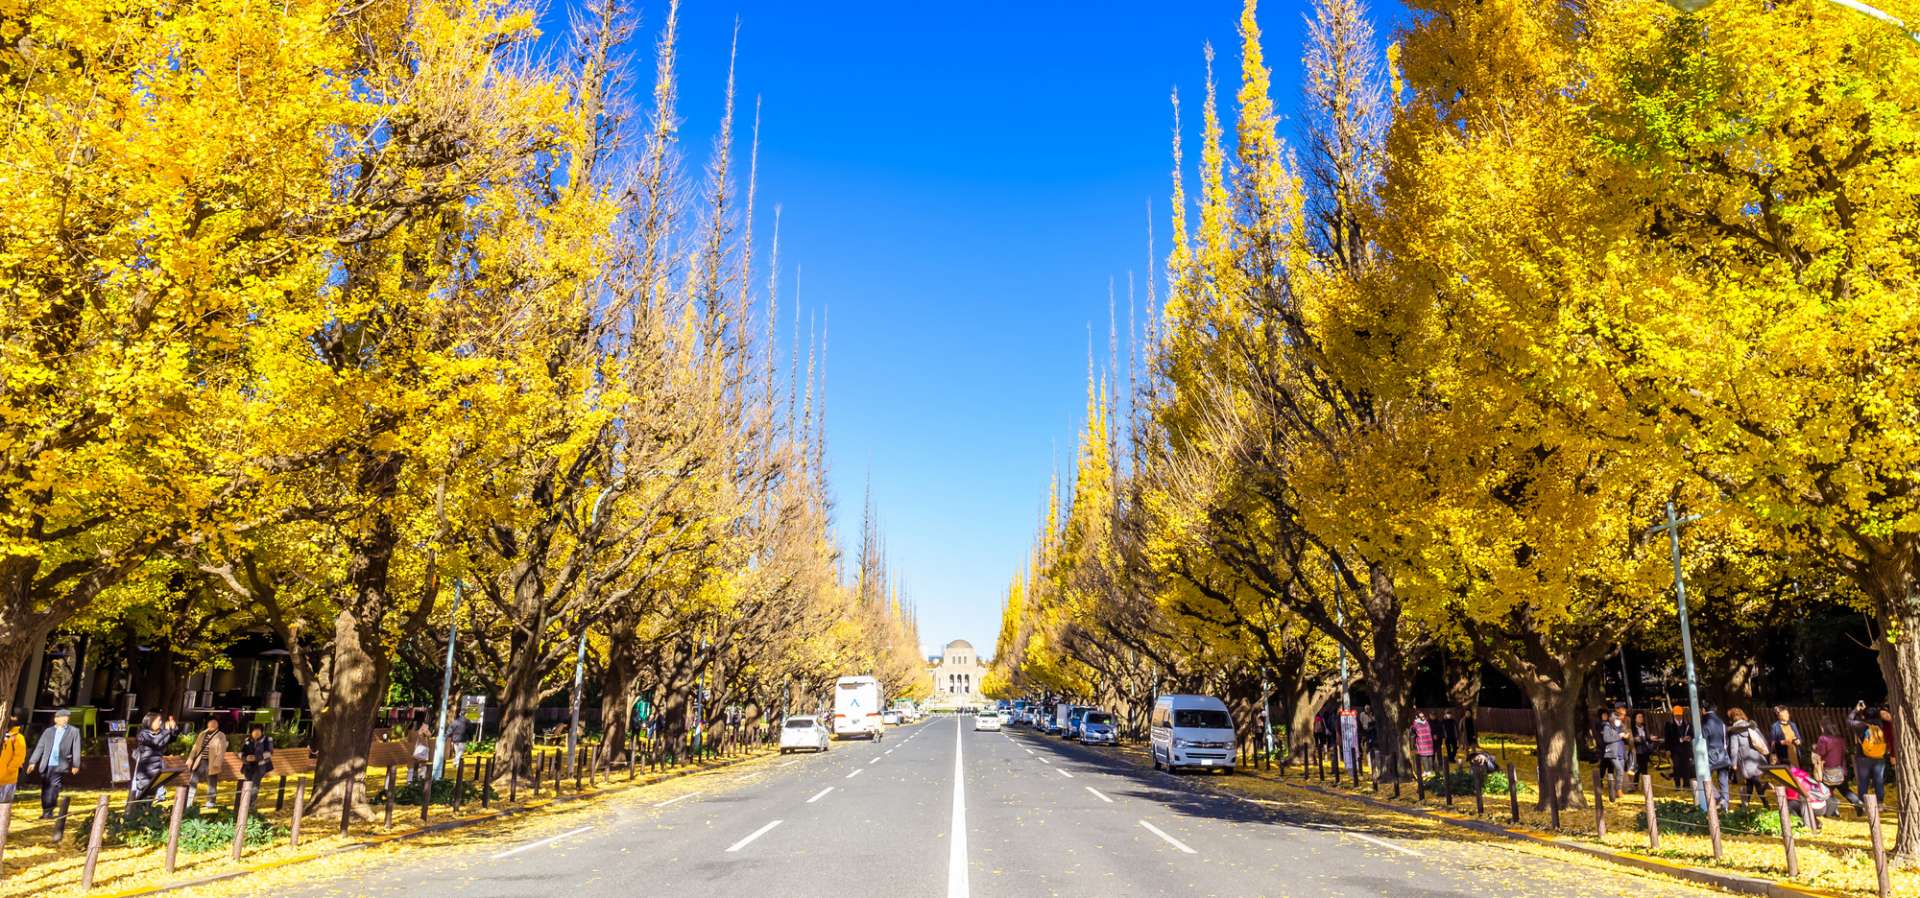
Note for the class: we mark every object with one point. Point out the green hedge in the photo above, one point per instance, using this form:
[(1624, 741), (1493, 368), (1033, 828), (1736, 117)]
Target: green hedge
[(1688, 817), (198, 832)]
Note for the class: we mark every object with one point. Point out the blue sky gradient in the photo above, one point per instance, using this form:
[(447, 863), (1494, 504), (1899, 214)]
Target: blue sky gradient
[(959, 183)]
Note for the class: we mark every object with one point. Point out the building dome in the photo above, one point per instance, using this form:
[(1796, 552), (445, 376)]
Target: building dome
[(959, 644)]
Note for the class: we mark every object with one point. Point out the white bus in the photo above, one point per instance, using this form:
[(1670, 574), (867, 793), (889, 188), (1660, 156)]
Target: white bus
[(856, 708)]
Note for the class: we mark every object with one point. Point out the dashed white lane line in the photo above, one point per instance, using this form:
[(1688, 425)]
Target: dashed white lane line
[(789, 764), (1029, 751), (819, 795), (1382, 843), (874, 761), (677, 799), (1046, 760), (546, 841), (887, 752), (1099, 795), (1168, 839), (957, 856), (856, 772), (1063, 772), (752, 836)]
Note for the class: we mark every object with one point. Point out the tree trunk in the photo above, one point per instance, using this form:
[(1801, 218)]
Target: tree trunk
[(1556, 721), (619, 687), (343, 728), (519, 703), (1463, 683), (1387, 669), (1892, 584)]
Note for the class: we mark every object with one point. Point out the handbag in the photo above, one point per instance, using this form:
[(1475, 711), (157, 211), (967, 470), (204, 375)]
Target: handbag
[(421, 752)]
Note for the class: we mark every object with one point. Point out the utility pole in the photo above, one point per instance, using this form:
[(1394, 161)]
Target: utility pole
[(446, 685), (1674, 522)]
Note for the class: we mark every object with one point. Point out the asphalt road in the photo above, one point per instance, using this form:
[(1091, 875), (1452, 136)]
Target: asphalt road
[(938, 809)]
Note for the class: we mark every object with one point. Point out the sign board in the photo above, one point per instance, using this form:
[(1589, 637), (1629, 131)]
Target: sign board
[(116, 726), (473, 707), (117, 760)]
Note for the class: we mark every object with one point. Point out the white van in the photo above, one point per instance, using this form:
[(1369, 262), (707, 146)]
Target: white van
[(856, 708), (1191, 731)]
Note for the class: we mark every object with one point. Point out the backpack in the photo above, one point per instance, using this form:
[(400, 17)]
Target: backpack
[(1873, 743)]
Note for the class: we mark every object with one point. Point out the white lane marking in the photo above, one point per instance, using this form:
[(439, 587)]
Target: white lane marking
[(1046, 760), (754, 835), (789, 763), (1029, 751), (1097, 794), (1169, 839), (821, 794), (887, 752), (957, 857), (1383, 843), (1063, 772), (873, 762), (676, 799), (856, 772), (546, 841)]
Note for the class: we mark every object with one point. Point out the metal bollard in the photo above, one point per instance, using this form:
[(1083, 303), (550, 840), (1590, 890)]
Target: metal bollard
[(299, 811), (94, 837), (173, 824)]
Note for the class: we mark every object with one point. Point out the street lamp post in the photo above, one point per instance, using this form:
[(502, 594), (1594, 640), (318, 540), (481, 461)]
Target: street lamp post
[(1693, 6), (446, 686)]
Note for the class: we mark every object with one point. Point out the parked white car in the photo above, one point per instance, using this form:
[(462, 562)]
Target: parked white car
[(808, 733), (987, 720)]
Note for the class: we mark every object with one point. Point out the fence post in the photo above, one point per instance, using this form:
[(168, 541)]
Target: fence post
[(1653, 815), (1446, 780), (242, 807), (1600, 801), (1786, 831), (94, 836), (535, 763), (513, 785), (1713, 812), (299, 811), (426, 794), (391, 788), (1419, 778), (60, 822), (1479, 791), (280, 798), (346, 806), (1879, 844), (486, 784), (173, 824), (6, 826), (459, 779), (1513, 792)]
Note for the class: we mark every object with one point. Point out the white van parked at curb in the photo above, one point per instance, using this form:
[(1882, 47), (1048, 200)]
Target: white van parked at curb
[(1191, 731)]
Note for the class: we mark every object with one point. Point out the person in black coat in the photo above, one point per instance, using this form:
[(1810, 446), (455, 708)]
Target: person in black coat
[(149, 747), (1677, 736), (256, 756), (1719, 762)]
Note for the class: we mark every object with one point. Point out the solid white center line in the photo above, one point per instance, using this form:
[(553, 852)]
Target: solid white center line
[(1383, 843), (756, 834), (546, 841), (1169, 839), (1063, 772), (957, 857), (676, 799), (1097, 794), (821, 794), (856, 772)]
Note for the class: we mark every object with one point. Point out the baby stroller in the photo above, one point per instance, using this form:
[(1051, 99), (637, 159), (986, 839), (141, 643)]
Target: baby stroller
[(1802, 790)]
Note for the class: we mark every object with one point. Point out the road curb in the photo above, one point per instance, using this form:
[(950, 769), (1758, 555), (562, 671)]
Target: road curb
[(1732, 882), (416, 832)]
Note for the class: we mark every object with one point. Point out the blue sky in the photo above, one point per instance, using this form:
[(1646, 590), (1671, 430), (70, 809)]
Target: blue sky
[(959, 182)]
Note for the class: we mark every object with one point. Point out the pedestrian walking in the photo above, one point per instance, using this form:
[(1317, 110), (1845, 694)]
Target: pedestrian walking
[(256, 756), (1644, 747), (1366, 730), (1785, 736), (1449, 736), (1469, 729), (13, 756), (1830, 766), (1423, 747), (458, 733), (56, 756), (1616, 748), (1713, 731), (149, 747), (1873, 727), (419, 738), (1677, 737), (206, 760), (1749, 753), (1350, 740)]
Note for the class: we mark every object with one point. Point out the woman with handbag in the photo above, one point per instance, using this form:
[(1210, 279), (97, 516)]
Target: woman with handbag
[(419, 747)]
